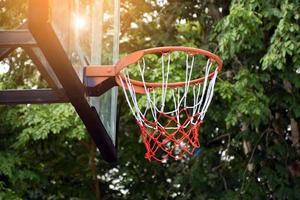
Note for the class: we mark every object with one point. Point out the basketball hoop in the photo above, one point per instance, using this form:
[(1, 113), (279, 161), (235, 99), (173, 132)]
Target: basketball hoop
[(169, 111)]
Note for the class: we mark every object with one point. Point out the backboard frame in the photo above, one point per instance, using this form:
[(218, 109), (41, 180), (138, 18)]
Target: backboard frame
[(52, 49)]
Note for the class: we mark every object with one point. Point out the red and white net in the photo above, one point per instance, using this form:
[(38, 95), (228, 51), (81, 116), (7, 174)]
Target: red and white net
[(170, 118)]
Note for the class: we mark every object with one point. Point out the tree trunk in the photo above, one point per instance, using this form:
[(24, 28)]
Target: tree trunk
[(93, 167)]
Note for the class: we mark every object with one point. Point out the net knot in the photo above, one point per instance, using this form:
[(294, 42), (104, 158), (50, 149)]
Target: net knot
[(163, 142)]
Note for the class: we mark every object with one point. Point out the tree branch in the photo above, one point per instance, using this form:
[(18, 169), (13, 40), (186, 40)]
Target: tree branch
[(295, 132)]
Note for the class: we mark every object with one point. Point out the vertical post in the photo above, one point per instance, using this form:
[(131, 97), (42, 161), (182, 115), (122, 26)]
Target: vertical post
[(116, 52), (116, 45), (96, 44), (97, 33), (80, 60)]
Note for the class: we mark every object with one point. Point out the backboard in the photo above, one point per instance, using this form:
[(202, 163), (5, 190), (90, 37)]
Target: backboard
[(80, 27)]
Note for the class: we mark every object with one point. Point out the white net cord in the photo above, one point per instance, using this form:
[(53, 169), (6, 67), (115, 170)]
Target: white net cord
[(200, 94)]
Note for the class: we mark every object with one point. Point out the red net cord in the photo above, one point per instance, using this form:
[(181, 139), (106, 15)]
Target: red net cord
[(176, 138)]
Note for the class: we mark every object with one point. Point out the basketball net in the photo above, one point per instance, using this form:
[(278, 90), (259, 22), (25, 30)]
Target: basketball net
[(171, 119)]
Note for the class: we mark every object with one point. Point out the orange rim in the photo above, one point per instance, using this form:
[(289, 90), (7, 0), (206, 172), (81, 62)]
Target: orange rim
[(134, 57)]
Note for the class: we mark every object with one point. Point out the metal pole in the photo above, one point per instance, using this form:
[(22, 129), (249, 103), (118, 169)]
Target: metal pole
[(116, 52), (97, 33), (116, 44), (97, 43)]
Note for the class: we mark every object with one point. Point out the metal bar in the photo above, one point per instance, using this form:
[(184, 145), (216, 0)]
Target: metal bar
[(52, 49), (43, 66), (116, 53), (16, 38), (4, 52), (84, 59), (100, 71), (96, 54), (40, 96), (97, 32), (116, 42), (99, 79), (97, 86)]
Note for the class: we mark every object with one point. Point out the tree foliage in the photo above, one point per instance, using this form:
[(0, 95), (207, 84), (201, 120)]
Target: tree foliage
[(250, 136)]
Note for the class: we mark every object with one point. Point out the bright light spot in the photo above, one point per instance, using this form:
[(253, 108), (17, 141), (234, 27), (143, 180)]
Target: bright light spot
[(28, 62), (111, 187), (289, 128), (115, 181), (161, 2), (173, 195), (133, 25), (286, 136), (4, 67), (115, 170), (258, 179), (106, 16), (182, 21), (79, 23), (206, 10), (147, 18), (225, 156), (124, 191), (298, 71)]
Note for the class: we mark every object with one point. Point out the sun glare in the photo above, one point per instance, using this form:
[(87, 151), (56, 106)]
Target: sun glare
[(106, 16), (79, 22)]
